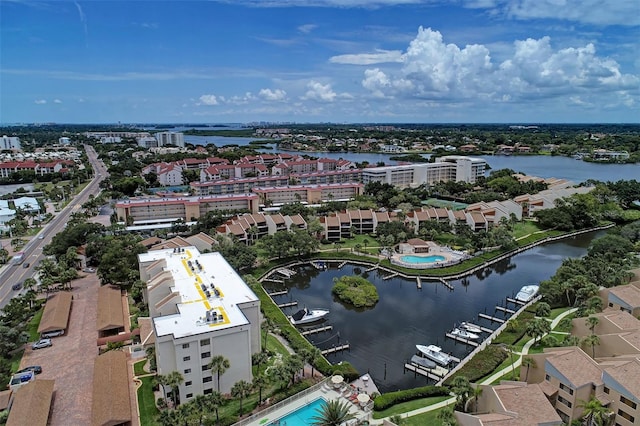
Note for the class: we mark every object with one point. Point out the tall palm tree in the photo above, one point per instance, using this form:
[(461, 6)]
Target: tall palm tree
[(593, 322), (461, 388), (241, 390), (259, 358), (332, 413), (592, 341), (219, 365), (528, 362), (163, 381), (446, 416), (267, 327), (173, 380), (260, 381), (595, 414), (215, 401)]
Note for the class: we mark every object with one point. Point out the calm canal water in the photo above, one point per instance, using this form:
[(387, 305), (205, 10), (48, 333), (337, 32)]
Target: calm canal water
[(384, 337)]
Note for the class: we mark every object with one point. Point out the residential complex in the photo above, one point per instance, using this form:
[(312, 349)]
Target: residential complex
[(200, 308), (10, 142)]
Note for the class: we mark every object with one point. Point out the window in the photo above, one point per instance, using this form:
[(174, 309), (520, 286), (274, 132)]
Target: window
[(205, 342), (207, 379), (628, 402), (606, 390), (208, 391), (564, 401), (566, 388), (626, 416), (547, 377), (188, 383), (206, 367), (185, 346), (189, 395), (187, 371), (186, 358), (610, 305), (205, 355)]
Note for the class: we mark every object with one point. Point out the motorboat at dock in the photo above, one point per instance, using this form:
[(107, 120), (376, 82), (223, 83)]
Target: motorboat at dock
[(423, 362), (471, 328), (435, 353), (464, 334), (527, 293), (305, 316)]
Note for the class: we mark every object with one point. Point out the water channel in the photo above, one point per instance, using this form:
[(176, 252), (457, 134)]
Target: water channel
[(384, 337)]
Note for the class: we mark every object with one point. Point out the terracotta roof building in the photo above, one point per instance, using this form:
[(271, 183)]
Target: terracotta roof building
[(31, 404), (56, 312), (110, 319), (111, 400)]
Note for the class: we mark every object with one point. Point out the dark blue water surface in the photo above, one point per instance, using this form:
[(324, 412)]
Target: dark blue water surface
[(384, 337)]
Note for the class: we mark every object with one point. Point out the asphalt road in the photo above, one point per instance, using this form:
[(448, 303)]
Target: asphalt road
[(11, 274)]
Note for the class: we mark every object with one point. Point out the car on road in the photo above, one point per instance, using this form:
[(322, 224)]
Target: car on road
[(35, 368), (54, 333), (26, 265), (42, 343), (41, 237), (16, 286), (88, 270)]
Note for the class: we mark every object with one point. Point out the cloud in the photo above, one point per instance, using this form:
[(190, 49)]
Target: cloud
[(40, 102), (597, 12), (83, 21), (307, 28), (57, 101), (126, 76), (319, 92), (381, 56), (272, 95), (208, 100), (435, 70)]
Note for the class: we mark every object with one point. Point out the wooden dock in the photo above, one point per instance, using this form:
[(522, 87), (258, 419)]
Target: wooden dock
[(419, 283), (388, 277), (516, 301), (288, 304), (492, 319), (461, 340), (485, 329), (341, 265), (316, 330), (436, 373), (446, 284), (373, 268), (505, 310), (335, 349), (273, 280), (279, 293)]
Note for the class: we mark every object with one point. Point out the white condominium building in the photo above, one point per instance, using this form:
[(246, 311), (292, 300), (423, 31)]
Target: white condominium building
[(200, 308), (170, 138), (10, 142)]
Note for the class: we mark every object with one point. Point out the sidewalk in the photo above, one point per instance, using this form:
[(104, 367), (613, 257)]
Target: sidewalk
[(488, 380)]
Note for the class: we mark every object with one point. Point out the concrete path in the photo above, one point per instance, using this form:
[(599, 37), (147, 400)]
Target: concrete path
[(497, 375)]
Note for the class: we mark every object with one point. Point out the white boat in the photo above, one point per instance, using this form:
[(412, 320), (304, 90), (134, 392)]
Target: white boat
[(435, 353), (471, 328), (423, 362), (464, 334), (304, 316), (527, 292)]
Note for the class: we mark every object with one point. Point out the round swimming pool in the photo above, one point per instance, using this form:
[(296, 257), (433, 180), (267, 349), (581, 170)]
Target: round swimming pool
[(422, 259)]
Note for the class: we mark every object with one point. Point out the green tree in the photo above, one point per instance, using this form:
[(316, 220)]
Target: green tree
[(537, 328), (215, 402), (260, 381), (332, 413), (528, 362), (592, 323), (595, 414), (241, 390), (593, 341), (446, 416), (219, 365), (462, 389), (173, 380), (543, 309)]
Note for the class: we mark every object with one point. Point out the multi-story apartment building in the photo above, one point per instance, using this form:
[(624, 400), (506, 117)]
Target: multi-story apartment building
[(200, 308), (10, 142), (170, 138), (308, 193)]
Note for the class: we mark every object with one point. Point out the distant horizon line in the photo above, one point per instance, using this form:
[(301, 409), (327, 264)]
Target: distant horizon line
[(263, 123)]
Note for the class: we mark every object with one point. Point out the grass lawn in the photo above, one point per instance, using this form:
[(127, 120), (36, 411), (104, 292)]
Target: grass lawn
[(523, 228), (428, 418), (274, 345), (138, 369), (32, 327), (15, 360), (405, 407), (557, 311), (147, 403)]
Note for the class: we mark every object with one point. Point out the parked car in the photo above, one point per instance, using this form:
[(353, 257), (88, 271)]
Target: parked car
[(42, 343), (16, 286), (35, 368), (88, 270), (50, 334)]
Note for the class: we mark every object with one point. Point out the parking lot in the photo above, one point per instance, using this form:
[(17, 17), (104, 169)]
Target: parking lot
[(71, 358)]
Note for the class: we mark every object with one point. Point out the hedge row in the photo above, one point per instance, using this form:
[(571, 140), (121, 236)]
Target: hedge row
[(387, 400), (483, 363)]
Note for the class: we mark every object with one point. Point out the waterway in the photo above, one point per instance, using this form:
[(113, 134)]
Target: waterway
[(384, 337)]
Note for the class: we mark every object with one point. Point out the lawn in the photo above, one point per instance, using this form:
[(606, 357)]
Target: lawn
[(523, 228), (428, 418), (147, 403), (405, 407), (138, 368), (32, 327)]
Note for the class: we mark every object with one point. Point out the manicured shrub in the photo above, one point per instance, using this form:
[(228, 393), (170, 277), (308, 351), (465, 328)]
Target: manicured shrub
[(483, 363), (386, 400)]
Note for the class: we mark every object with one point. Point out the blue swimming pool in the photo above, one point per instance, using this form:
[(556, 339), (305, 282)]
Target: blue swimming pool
[(422, 259), (302, 416)]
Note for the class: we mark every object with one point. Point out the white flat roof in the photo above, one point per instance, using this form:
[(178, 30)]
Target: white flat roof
[(194, 304)]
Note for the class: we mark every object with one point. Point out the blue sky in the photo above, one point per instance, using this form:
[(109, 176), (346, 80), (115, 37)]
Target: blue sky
[(394, 61)]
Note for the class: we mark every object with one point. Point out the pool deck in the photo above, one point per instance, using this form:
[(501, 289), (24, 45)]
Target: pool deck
[(326, 391)]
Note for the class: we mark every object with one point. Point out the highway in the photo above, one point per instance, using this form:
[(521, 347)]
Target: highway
[(10, 273)]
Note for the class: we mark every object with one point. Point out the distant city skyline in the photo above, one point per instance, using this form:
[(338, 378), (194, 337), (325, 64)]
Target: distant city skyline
[(310, 61)]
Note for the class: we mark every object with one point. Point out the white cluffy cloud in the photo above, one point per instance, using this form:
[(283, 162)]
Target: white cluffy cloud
[(272, 95), (381, 56), (433, 69), (319, 92), (57, 101), (40, 101), (208, 100)]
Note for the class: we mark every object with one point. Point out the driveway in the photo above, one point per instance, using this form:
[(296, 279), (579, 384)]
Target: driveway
[(71, 358)]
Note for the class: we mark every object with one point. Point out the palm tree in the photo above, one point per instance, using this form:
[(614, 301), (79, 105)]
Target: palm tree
[(163, 381), (173, 380), (543, 309), (592, 341), (267, 327), (595, 414), (332, 413), (201, 405), (241, 390), (259, 358), (260, 382), (293, 364), (528, 362), (475, 394), (219, 365), (215, 401), (538, 328), (364, 243), (592, 322), (446, 416), (461, 388)]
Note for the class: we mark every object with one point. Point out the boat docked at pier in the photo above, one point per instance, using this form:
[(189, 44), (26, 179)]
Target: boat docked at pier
[(471, 328), (464, 334), (423, 362), (305, 316), (435, 353), (527, 293)]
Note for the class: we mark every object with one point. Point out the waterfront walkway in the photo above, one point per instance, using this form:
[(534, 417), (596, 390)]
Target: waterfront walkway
[(491, 379)]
